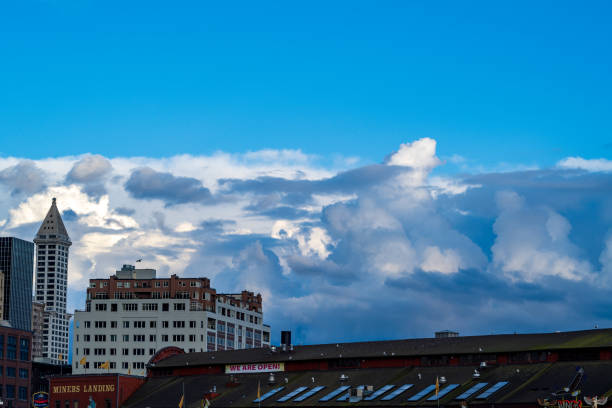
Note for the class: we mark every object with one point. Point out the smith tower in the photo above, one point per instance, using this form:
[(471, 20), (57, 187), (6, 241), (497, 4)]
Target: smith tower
[(52, 244)]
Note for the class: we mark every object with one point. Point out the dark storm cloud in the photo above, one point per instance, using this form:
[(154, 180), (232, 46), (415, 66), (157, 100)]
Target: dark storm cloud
[(146, 183), (24, 177), (345, 182)]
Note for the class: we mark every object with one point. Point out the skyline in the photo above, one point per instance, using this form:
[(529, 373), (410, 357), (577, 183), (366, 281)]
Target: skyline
[(375, 172)]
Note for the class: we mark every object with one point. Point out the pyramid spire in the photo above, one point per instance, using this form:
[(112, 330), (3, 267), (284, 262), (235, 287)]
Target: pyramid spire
[(53, 224)]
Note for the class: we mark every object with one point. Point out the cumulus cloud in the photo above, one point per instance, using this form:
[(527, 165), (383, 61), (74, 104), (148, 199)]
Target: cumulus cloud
[(534, 242), (91, 168), (24, 177), (146, 183), (339, 253)]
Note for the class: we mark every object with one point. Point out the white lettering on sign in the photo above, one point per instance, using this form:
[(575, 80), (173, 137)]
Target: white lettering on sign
[(254, 368)]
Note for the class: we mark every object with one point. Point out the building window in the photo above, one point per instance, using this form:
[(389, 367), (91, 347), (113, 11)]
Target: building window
[(152, 337), (178, 337), (165, 307), (23, 373), (125, 365), (87, 324), (125, 352), (24, 349), (192, 324), (11, 348), (130, 307), (126, 337), (113, 307), (179, 306), (113, 338), (10, 391), (140, 324), (177, 324), (11, 372), (165, 324), (164, 337), (126, 324), (113, 324), (153, 324), (23, 393)]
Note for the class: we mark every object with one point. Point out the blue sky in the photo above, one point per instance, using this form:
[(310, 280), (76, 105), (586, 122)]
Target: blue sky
[(375, 171), (493, 82)]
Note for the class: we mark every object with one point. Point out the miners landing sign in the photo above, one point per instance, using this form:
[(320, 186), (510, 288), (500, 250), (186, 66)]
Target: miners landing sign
[(254, 368)]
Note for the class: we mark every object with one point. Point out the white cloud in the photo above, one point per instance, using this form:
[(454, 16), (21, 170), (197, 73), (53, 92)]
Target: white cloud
[(594, 165), (445, 261), (533, 243)]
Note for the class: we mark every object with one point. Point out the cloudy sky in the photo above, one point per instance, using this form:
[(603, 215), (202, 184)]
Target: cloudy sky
[(375, 173)]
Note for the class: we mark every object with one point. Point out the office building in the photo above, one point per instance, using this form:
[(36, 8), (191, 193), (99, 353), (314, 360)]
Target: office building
[(52, 244), (132, 315), (16, 263)]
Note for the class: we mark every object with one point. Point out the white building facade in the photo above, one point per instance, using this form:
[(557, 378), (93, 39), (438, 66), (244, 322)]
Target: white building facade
[(129, 319), (52, 245)]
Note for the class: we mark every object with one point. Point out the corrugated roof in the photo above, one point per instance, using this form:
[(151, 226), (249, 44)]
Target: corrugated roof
[(502, 343)]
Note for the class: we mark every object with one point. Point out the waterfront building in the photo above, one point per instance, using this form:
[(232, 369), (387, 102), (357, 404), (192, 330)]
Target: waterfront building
[(52, 245), (133, 314), (16, 264)]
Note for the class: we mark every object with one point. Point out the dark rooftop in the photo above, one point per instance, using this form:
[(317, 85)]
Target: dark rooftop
[(490, 344)]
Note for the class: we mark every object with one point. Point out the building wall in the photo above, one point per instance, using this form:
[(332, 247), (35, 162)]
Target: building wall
[(107, 391), (16, 262), (15, 367), (128, 332)]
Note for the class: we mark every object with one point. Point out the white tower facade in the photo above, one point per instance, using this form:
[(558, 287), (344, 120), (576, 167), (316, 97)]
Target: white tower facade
[(52, 244)]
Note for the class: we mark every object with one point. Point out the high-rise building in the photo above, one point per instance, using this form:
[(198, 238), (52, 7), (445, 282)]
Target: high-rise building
[(131, 316), (16, 262), (38, 317), (52, 244)]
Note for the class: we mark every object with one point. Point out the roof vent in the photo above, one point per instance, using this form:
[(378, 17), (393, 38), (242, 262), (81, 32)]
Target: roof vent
[(271, 379), (476, 374), (483, 364), (344, 377)]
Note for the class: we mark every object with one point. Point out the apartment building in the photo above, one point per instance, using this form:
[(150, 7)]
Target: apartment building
[(133, 314)]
